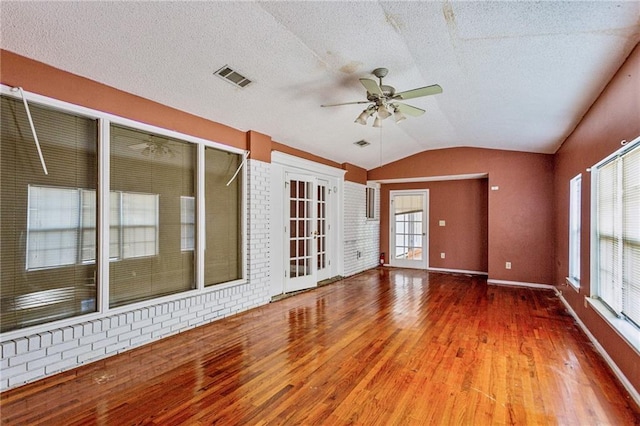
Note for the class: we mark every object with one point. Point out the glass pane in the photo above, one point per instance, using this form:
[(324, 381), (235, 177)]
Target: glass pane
[(408, 226), (48, 222), (223, 217), (152, 174)]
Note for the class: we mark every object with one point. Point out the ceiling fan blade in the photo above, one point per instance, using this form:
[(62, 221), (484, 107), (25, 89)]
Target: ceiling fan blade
[(345, 103), (422, 91), (139, 146), (371, 86), (409, 110)]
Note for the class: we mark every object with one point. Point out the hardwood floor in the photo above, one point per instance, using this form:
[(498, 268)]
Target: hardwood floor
[(386, 347)]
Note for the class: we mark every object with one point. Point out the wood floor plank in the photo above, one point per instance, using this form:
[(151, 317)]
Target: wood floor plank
[(385, 347)]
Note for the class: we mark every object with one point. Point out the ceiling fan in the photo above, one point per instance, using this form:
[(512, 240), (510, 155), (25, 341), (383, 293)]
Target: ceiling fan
[(382, 100), (153, 147)]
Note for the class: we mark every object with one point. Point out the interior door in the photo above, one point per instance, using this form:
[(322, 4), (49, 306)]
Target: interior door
[(301, 233), (408, 229)]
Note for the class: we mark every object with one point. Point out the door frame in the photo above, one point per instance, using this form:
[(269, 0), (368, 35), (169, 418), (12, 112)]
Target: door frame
[(404, 263), (281, 164)]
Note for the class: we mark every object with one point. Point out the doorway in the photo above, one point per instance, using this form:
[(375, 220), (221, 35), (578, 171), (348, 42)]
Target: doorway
[(306, 206), (408, 226)]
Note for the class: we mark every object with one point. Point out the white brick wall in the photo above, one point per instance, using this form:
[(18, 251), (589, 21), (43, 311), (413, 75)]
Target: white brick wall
[(32, 357), (361, 236)]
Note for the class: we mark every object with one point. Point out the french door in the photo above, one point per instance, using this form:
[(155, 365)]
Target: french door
[(307, 232), (323, 226), (301, 232), (408, 229)]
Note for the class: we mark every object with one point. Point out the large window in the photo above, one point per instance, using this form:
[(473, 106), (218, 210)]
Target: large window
[(144, 222), (617, 205), (153, 174), (44, 218), (575, 196)]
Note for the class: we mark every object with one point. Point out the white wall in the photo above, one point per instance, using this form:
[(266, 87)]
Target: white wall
[(361, 235)]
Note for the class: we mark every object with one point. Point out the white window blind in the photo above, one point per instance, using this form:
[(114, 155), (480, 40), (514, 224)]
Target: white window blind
[(631, 235), (618, 233), (574, 229)]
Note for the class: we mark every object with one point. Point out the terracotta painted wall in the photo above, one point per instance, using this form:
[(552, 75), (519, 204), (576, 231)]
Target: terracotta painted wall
[(463, 205), (45, 80), (520, 212), (614, 117)]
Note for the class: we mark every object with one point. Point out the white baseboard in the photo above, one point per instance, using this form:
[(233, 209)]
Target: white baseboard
[(612, 365), (520, 284), (457, 271)]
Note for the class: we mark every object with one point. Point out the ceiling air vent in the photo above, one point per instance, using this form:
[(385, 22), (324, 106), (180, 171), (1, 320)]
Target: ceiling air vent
[(362, 143), (233, 77)]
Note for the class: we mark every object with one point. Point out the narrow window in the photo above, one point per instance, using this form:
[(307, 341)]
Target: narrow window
[(370, 203), (223, 212), (575, 195)]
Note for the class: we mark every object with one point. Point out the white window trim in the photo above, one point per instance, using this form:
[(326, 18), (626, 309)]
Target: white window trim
[(625, 329), (105, 120), (622, 327)]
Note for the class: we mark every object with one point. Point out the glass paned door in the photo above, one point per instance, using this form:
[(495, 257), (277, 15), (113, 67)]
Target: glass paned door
[(301, 233), (322, 230), (408, 229)]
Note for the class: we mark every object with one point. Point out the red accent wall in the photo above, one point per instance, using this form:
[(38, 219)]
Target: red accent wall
[(45, 80), (463, 205), (354, 173), (615, 116), (520, 213)]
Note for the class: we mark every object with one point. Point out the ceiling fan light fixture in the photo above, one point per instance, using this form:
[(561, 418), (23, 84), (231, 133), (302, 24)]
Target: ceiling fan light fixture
[(362, 118), (383, 112), (398, 115), (377, 122)]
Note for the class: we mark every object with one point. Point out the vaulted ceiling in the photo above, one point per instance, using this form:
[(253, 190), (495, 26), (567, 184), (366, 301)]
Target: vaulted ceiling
[(515, 75)]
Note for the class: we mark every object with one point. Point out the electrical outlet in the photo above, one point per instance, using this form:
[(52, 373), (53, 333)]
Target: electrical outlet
[(441, 223), (441, 255), (507, 265)]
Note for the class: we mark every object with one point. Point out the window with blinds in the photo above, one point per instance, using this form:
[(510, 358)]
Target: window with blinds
[(50, 257), (47, 222), (618, 232), (575, 194), (223, 212), (151, 176)]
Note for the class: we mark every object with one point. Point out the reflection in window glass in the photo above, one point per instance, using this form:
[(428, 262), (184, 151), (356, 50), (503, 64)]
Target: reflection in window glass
[(188, 222), (52, 228)]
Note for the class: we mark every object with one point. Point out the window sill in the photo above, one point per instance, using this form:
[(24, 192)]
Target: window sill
[(629, 332), (573, 283)]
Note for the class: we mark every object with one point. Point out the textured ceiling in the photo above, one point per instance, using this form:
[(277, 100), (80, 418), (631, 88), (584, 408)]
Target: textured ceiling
[(515, 75)]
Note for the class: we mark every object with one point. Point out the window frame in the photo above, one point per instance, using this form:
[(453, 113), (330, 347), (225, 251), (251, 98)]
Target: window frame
[(370, 210), (623, 326), (575, 230), (105, 120)]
